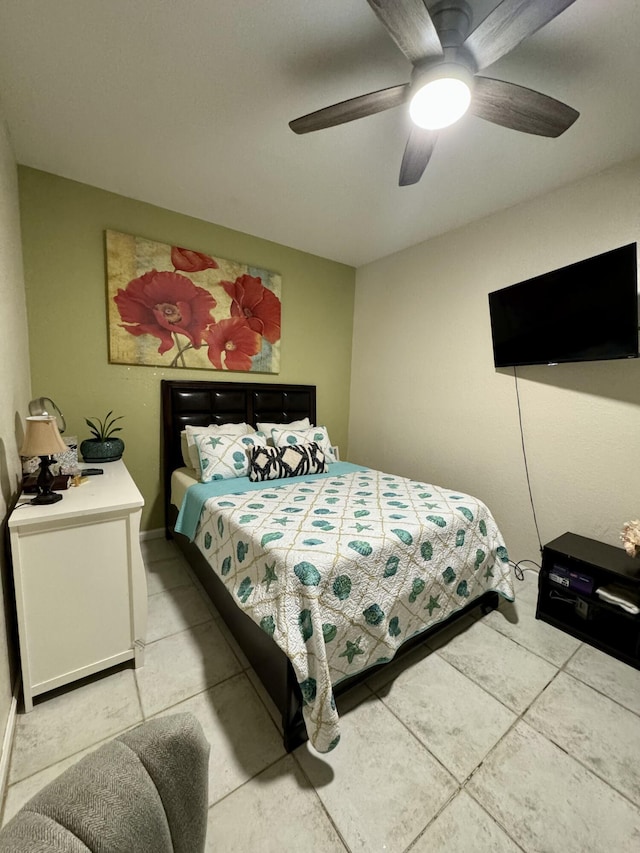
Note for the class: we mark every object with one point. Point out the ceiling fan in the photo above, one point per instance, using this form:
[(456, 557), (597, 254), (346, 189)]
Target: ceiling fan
[(446, 56)]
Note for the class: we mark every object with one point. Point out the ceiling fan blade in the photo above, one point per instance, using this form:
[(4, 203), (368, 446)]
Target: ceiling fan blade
[(410, 26), (363, 105), (508, 24), (417, 154), (519, 108)]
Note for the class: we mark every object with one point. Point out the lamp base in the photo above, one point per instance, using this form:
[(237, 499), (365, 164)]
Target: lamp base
[(45, 480), (47, 498)]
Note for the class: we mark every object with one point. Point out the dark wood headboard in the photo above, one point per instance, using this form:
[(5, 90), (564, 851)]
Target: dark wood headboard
[(204, 403)]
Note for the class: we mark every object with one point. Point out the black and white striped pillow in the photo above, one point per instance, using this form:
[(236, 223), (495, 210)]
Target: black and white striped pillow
[(295, 460)]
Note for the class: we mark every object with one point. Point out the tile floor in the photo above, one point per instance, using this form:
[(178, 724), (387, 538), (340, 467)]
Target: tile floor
[(502, 734)]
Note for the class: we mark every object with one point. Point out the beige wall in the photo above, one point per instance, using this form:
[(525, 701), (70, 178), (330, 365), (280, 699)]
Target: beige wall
[(427, 402), (14, 382), (63, 224)]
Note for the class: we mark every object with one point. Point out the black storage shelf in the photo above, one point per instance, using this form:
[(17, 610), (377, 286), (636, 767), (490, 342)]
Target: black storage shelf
[(585, 615)]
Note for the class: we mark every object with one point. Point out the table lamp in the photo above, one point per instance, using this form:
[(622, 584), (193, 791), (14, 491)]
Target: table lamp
[(43, 439)]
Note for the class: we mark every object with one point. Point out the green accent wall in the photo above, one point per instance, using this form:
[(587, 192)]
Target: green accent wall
[(63, 225)]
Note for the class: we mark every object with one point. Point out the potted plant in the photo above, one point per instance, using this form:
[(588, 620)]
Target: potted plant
[(103, 447)]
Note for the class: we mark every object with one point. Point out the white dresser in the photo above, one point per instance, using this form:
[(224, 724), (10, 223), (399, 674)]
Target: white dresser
[(80, 584)]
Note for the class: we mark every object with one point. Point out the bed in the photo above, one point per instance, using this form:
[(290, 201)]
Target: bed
[(322, 578)]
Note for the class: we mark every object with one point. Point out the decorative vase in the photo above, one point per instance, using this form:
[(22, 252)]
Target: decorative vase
[(94, 450)]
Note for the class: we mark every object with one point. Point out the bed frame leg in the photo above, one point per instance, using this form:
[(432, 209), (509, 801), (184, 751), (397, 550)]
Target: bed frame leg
[(293, 727), (490, 601)]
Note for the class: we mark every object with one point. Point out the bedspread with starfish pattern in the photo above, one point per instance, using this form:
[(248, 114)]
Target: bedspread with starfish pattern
[(341, 571)]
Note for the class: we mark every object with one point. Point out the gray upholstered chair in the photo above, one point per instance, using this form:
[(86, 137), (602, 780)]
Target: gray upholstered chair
[(144, 792)]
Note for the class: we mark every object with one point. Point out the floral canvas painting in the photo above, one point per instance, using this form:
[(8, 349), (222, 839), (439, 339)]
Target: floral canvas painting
[(174, 307)]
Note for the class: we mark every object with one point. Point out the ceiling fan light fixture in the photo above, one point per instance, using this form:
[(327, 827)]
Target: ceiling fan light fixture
[(442, 97)]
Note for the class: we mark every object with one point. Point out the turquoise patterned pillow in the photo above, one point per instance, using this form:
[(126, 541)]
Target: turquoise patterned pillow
[(318, 434), (225, 456), (190, 432)]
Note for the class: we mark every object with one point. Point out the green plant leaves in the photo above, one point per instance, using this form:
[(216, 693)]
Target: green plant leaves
[(102, 430)]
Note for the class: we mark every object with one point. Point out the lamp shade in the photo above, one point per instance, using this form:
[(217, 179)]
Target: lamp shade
[(42, 437)]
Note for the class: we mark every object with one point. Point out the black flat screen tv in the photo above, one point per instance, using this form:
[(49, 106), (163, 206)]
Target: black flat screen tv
[(587, 311)]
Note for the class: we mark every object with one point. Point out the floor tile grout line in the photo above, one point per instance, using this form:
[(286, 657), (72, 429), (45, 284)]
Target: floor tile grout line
[(592, 686), (144, 717), (217, 617), (497, 699), (249, 779), (462, 785), (181, 585), (199, 692), (443, 808), (433, 819), (261, 699), (90, 746), (320, 800), (184, 631), (562, 667), (494, 819), (179, 631), (580, 761), (175, 556), (550, 740), (590, 770), (526, 648)]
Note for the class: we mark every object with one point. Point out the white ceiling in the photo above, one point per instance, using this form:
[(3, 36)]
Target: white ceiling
[(185, 104)]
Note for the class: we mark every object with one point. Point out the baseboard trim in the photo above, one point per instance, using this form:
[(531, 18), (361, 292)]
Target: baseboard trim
[(158, 533), (7, 741)]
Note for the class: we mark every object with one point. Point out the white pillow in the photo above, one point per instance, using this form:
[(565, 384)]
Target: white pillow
[(213, 429), (222, 457), (266, 428), (184, 447), (319, 434)]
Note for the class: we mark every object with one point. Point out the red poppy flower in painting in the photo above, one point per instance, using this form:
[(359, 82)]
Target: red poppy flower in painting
[(256, 304), (165, 303), (188, 261), (234, 341)]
